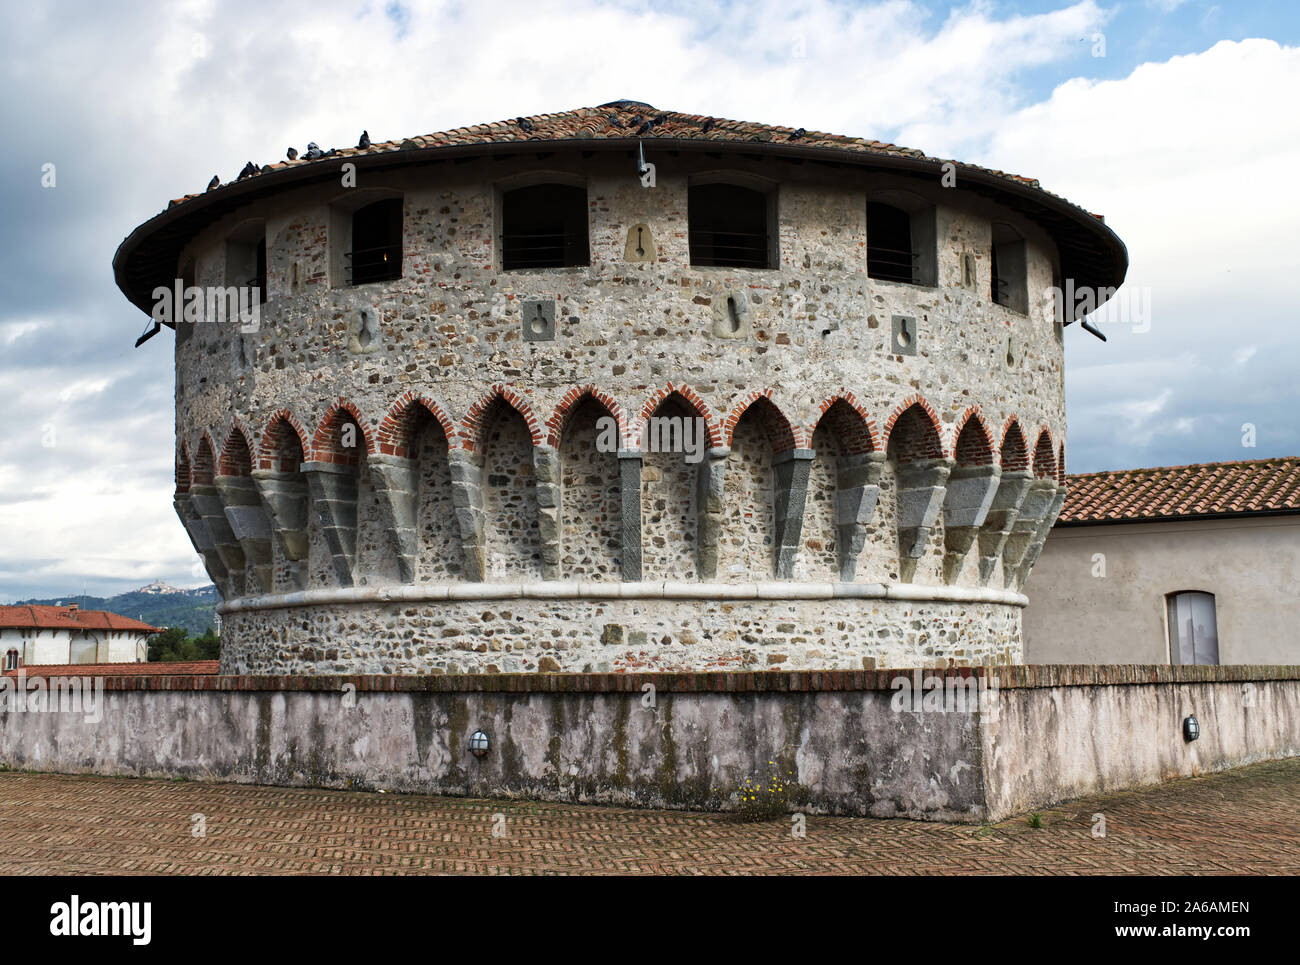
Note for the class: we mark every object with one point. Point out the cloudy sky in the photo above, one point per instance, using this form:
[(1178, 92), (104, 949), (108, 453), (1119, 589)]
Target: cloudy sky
[(1177, 120)]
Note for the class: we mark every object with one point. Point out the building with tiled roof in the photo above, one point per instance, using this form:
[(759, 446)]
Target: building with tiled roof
[(170, 668), (618, 388), (34, 635), (1173, 564)]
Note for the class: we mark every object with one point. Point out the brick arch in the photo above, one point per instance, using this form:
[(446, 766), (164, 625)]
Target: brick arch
[(572, 400), (848, 420), (272, 444), (691, 399), (325, 448), (974, 442), (204, 466), (781, 433), (1045, 455), (914, 426), (236, 453), (1014, 450), (1060, 463), (395, 432), (472, 425), (182, 469)]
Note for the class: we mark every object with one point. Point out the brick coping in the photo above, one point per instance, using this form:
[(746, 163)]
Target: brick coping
[(760, 681)]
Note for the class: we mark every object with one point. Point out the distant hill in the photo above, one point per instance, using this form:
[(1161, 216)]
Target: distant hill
[(157, 604)]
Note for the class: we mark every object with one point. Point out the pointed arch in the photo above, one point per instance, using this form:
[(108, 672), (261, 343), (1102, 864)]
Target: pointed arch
[(476, 419), (590, 494), (781, 433), (182, 470), (974, 443), (204, 467), (845, 418), (1044, 455), (236, 454), (1060, 464), (689, 399), (395, 435), (572, 401), (1014, 451), (327, 444), (276, 450), (913, 431)]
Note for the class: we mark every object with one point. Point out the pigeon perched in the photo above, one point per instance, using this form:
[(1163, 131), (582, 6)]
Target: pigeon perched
[(614, 121), (708, 126), (292, 154), (313, 151), (214, 183), (525, 124), (247, 171), (365, 140), (798, 134)]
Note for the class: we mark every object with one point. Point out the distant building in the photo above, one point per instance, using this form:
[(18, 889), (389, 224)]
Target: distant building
[(1183, 564), (39, 635)]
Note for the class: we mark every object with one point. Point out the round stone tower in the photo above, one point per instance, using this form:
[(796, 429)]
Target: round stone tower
[(615, 389)]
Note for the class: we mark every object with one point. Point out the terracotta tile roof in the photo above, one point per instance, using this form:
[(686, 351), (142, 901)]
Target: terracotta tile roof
[(626, 120), (29, 616), (1254, 487), (156, 669)]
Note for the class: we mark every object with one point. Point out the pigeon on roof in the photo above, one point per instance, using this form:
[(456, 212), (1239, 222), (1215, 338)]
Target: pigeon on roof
[(292, 154), (525, 124), (314, 151), (365, 141), (214, 183)]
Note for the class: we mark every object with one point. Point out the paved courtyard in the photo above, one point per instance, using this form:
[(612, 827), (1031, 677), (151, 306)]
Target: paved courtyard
[(1241, 821)]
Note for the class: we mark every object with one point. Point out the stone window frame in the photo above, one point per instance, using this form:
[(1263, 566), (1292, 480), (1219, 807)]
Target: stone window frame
[(924, 220), (12, 660), (340, 209), (1008, 262), (770, 188), (528, 179), (240, 252)]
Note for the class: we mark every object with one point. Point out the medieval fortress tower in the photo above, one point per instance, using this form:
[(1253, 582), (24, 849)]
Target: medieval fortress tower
[(618, 388)]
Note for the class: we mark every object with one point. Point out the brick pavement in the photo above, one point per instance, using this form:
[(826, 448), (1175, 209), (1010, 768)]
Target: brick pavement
[(1241, 821)]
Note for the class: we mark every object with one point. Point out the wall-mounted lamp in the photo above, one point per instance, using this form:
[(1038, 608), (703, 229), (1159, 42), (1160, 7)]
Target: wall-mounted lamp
[(479, 743), (1191, 729)]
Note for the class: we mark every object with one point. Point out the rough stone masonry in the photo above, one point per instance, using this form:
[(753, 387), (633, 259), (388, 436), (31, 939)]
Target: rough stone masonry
[(402, 476)]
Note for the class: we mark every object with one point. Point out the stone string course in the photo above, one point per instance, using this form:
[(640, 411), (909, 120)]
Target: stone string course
[(439, 445)]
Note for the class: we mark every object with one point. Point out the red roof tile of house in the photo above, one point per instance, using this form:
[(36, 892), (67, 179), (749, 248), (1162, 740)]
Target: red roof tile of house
[(1247, 488), (31, 616), (156, 669)]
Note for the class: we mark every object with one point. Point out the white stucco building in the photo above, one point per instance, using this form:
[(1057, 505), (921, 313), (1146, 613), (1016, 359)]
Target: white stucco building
[(1183, 564), (45, 635)]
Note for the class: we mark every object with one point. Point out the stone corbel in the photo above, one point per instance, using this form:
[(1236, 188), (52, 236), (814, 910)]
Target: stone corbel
[(397, 481), (1037, 504), (1040, 536), (920, 498), (708, 509), (965, 507), (857, 490), (629, 487), (467, 503), (284, 496), (1002, 515), (790, 471), (201, 538), (333, 490), (546, 477), (248, 523), (206, 501)]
